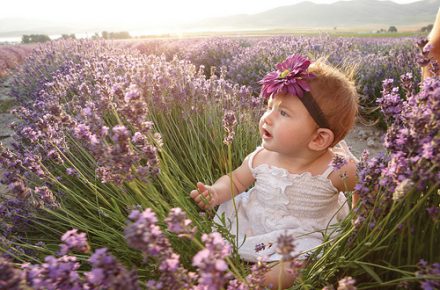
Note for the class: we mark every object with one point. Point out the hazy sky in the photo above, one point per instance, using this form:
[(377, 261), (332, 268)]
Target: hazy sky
[(134, 10)]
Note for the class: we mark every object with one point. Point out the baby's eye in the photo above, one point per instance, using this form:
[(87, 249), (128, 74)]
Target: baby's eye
[(284, 113)]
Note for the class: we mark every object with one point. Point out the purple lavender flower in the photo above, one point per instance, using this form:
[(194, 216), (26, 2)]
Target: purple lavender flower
[(387, 86), (260, 247), (212, 268), (338, 162), (285, 246), (402, 189), (132, 93), (428, 270), (71, 171), (55, 273), (10, 278), (347, 283), (19, 189), (238, 285), (421, 42), (177, 222), (391, 104), (229, 123), (256, 278), (72, 240), (82, 132), (46, 196), (107, 273), (407, 83), (434, 212), (144, 234)]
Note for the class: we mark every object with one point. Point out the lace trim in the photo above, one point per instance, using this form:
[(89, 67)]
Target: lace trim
[(282, 172)]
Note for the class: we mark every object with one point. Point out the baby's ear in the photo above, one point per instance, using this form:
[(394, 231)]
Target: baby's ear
[(322, 140)]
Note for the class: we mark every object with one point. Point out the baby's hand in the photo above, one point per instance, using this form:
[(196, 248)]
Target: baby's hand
[(204, 196)]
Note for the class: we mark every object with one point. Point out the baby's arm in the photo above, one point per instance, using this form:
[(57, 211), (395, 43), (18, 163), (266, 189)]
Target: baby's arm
[(345, 179), (209, 196), (434, 40)]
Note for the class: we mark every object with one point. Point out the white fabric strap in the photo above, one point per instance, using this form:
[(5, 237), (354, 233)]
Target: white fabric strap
[(251, 157), (343, 149), (328, 171)]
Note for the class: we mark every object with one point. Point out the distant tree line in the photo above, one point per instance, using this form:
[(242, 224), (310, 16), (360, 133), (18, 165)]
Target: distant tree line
[(392, 29), (68, 36), (32, 38), (113, 35), (427, 28)]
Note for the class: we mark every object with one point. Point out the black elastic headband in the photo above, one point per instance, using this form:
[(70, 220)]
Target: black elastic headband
[(314, 110)]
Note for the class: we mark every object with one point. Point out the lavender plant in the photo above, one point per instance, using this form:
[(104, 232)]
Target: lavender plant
[(247, 61), (104, 129), (87, 147), (142, 233), (396, 222)]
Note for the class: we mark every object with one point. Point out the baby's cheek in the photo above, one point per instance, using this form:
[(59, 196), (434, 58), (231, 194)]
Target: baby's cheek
[(260, 124)]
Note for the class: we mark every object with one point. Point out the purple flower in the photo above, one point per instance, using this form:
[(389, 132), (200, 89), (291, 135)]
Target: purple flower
[(177, 222), (290, 78), (55, 273), (387, 86), (19, 189), (132, 93), (426, 269), (229, 123), (347, 283), (71, 171), (107, 273), (72, 240), (10, 278), (144, 234), (260, 247), (210, 261), (285, 246), (402, 189), (338, 162), (256, 278), (46, 196), (120, 134), (83, 132), (422, 42), (434, 212)]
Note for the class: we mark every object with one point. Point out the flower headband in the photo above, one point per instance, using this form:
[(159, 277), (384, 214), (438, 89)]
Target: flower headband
[(291, 78)]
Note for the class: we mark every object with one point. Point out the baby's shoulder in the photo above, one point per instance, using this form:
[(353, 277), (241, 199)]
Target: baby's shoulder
[(259, 156), (345, 178)]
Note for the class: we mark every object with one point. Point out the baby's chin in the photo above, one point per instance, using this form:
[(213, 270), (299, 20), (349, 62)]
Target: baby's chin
[(266, 146)]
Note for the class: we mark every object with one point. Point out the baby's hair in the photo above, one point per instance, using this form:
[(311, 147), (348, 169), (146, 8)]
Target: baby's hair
[(336, 95)]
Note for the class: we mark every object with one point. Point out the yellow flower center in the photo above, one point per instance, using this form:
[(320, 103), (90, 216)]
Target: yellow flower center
[(284, 73)]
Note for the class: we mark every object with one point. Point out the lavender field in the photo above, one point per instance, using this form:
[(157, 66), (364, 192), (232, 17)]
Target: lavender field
[(112, 136)]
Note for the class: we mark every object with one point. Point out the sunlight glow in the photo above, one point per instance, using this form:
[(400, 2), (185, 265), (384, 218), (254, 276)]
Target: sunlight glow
[(139, 11)]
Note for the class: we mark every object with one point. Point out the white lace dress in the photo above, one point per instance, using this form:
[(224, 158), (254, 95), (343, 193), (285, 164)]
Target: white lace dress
[(281, 202)]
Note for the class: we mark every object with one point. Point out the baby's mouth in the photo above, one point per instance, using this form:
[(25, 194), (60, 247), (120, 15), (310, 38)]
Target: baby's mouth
[(266, 134)]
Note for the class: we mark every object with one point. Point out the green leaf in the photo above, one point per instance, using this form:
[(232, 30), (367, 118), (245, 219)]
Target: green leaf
[(370, 271)]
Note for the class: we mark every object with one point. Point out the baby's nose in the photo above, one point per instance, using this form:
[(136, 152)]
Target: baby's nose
[(268, 118)]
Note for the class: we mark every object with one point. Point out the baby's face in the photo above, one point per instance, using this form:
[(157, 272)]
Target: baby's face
[(286, 127)]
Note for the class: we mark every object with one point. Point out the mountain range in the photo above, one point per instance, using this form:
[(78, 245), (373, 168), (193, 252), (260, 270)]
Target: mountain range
[(343, 13), (355, 13)]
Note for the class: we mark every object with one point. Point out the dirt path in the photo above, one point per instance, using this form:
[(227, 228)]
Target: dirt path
[(365, 137), (6, 102)]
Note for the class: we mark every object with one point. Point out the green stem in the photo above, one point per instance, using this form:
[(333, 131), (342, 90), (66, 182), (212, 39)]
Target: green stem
[(232, 191)]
